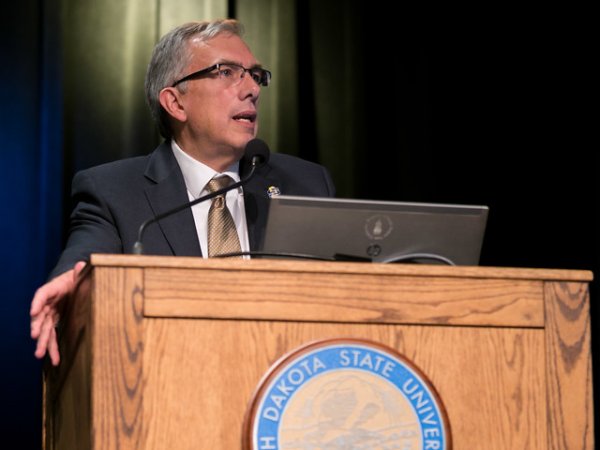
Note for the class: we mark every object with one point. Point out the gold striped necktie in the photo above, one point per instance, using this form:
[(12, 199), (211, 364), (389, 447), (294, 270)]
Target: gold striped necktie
[(222, 234)]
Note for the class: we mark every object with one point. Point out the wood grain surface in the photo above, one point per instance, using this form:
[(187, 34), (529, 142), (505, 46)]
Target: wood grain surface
[(162, 353), (281, 265), (569, 367), (343, 297), (491, 381), (117, 348)]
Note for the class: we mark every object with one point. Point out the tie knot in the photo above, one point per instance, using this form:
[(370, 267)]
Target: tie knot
[(218, 183)]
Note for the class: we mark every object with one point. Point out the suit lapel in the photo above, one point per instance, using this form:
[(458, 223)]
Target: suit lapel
[(168, 192)]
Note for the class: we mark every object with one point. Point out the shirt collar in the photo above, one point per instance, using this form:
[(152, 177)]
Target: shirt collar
[(197, 174)]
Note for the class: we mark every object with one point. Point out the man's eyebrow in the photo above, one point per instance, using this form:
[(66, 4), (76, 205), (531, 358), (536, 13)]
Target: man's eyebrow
[(237, 63)]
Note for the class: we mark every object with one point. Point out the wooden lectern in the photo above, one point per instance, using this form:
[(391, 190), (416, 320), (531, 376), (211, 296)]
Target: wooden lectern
[(165, 353)]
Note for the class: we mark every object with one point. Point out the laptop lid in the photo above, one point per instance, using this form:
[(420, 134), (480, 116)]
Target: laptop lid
[(375, 230)]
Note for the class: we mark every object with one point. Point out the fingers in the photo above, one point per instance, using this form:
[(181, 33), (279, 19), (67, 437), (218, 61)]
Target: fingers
[(38, 310), (44, 299), (53, 289), (36, 326), (51, 294), (44, 311), (39, 299), (45, 331), (53, 348), (48, 341), (78, 268)]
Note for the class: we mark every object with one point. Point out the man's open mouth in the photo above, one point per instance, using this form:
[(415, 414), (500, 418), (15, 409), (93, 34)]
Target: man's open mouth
[(249, 117)]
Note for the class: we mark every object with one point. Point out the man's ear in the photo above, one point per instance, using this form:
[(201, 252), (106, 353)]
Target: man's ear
[(170, 99)]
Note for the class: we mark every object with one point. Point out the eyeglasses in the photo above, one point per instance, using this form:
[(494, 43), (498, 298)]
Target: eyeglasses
[(231, 74)]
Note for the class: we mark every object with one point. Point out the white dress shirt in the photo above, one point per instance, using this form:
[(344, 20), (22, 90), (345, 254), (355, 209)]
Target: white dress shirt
[(196, 175)]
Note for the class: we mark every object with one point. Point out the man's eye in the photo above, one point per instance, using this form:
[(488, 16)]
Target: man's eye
[(225, 72)]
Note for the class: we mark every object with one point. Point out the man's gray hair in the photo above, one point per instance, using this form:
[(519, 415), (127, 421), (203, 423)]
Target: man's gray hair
[(170, 58)]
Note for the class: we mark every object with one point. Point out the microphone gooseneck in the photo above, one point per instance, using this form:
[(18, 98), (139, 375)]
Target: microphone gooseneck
[(256, 152)]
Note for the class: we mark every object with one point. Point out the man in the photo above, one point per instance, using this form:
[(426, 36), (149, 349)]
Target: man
[(202, 85)]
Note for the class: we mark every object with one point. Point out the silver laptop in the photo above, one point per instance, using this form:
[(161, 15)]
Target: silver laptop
[(379, 231)]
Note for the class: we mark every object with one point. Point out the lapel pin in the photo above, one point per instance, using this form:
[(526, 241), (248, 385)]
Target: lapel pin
[(273, 191)]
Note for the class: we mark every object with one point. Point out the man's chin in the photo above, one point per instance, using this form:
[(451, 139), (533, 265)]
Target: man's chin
[(241, 144)]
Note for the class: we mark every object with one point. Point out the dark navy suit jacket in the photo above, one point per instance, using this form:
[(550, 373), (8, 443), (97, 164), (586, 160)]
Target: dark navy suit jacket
[(114, 199)]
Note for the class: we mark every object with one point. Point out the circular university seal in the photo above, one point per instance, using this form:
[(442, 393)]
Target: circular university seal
[(345, 394)]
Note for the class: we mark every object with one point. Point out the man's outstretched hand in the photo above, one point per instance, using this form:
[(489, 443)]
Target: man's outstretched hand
[(45, 311)]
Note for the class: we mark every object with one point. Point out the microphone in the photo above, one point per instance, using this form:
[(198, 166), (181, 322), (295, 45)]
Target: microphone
[(256, 153)]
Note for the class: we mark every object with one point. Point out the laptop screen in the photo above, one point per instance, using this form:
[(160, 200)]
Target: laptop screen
[(375, 230)]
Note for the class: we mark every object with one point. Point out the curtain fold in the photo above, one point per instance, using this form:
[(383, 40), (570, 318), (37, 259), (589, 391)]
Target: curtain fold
[(172, 13), (107, 47)]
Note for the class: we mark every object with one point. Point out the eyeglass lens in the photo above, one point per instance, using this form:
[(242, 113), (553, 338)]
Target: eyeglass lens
[(234, 74)]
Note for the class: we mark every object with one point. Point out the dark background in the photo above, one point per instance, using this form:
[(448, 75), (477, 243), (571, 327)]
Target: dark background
[(490, 109)]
